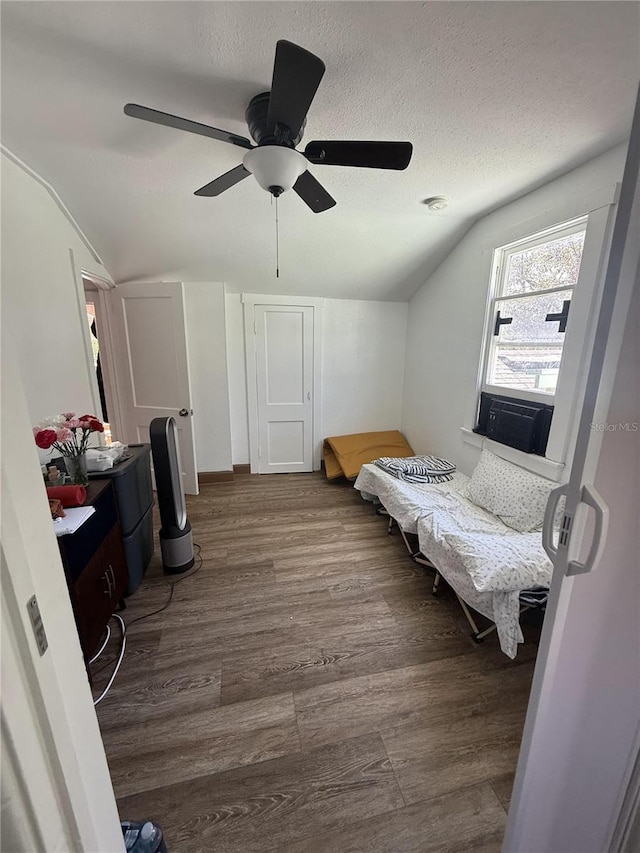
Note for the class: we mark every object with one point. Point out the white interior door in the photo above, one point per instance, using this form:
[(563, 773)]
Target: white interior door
[(55, 785), (151, 365), (284, 375), (581, 734)]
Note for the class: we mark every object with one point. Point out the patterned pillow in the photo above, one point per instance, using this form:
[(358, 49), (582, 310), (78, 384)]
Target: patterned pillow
[(516, 496)]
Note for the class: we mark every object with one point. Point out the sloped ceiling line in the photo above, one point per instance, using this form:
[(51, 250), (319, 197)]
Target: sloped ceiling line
[(56, 198)]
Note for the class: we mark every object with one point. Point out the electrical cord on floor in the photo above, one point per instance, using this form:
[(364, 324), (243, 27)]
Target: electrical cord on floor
[(118, 662), (173, 585), (123, 626), (155, 612), (103, 646)]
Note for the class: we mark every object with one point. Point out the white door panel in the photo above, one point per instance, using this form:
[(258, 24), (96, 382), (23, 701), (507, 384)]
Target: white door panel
[(284, 373), (152, 368), (285, 442)]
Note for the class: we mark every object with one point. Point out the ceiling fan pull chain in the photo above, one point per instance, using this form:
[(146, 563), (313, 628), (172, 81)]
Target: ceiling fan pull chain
[(277, 242)]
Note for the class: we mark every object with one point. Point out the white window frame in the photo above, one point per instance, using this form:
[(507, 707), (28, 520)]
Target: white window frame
[(570, 390), (499, 266)]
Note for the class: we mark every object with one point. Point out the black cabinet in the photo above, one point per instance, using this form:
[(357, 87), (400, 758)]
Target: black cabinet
[(131, 480), (95, 566)]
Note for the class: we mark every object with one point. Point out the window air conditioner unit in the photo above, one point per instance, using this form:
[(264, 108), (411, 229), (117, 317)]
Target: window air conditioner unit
[(521, 424)]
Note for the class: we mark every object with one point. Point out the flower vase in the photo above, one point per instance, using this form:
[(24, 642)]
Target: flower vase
[(77, 469)]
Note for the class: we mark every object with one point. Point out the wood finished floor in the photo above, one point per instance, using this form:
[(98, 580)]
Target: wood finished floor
[(304, 691)]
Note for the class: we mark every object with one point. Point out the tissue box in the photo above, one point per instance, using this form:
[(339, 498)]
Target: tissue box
[(104, 458)]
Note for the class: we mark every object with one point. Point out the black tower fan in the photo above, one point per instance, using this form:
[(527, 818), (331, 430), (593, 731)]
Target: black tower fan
[(176, 544)]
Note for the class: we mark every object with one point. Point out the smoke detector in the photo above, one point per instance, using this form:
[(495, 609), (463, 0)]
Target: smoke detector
[(437, 202)]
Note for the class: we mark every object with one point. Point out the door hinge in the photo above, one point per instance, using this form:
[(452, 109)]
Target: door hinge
[(259, 452), (255, 328)]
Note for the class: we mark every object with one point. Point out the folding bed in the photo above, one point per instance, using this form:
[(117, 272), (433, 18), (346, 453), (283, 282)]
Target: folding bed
[(492, 567)]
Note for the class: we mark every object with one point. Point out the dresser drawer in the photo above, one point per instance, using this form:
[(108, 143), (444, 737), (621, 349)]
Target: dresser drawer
[(80, 547), (92, 602)]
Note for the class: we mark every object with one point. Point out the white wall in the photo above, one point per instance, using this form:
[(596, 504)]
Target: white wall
[(42, 322), (446, 316), (206, 339), (363, 351), (363, 345)]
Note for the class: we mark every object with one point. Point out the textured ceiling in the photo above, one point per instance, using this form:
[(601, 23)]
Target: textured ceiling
[(496, 97)]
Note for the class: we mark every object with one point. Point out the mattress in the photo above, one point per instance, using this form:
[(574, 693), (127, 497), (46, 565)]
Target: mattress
[(405, 502), (344, 455), (487, 563)]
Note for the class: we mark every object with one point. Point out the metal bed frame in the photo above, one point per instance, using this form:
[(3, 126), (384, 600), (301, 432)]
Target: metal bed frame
[(418, 557)]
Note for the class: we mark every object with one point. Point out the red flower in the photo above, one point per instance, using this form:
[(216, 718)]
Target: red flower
[(91, 423), (45, 438)]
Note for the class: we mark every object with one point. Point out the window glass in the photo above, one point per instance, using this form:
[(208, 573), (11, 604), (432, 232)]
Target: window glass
[(528, 318), (535, 281), (545, 266), (526, 368)]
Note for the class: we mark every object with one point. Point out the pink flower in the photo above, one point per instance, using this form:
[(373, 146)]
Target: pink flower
[(45, 438), (64, 434), (68, 415), (72, 423)]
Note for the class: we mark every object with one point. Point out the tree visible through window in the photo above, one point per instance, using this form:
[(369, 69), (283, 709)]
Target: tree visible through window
[(531, 307)]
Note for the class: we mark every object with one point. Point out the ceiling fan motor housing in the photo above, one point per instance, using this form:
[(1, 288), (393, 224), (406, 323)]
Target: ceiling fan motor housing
[(256, 118)]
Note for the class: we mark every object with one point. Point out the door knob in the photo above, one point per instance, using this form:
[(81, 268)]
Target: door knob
[(184, 412)]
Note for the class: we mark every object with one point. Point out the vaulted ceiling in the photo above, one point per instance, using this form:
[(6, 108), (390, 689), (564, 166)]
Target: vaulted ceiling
[(497, 98)]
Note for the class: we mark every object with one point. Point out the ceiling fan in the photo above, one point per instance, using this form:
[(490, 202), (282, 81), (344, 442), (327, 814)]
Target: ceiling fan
[(276, 122)]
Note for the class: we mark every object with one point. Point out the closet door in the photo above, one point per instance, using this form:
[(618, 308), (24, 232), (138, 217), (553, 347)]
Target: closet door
[(284, 378)]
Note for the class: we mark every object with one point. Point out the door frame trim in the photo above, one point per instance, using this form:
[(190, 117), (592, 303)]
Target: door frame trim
[(104, 286), (249, 301)]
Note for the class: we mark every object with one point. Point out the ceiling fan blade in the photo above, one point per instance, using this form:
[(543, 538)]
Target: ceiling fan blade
[(372, 155), (147, 114), (224, 182), (313, 193), (296, 76)]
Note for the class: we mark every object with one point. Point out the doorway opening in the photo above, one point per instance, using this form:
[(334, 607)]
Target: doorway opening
[(99, 352), (97, 366)]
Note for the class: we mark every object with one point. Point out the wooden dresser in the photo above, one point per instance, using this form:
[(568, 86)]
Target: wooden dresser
[(94, 562)]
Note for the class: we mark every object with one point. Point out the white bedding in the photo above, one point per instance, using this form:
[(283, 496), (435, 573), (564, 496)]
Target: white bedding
[(486, 562), (405, 502)]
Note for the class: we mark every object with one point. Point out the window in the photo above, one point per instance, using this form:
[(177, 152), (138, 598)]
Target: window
[(529, 311)]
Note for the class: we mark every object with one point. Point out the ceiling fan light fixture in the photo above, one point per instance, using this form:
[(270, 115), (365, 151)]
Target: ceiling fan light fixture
[(275, 167)]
